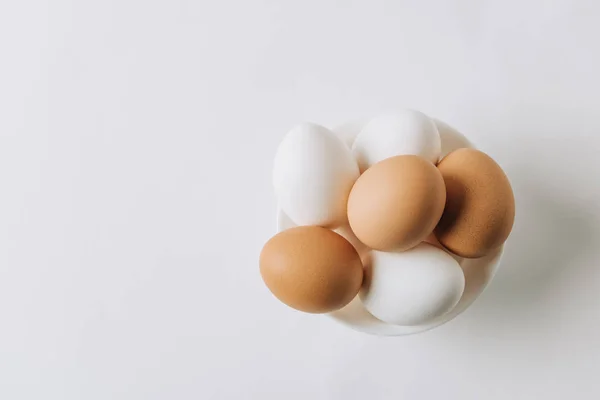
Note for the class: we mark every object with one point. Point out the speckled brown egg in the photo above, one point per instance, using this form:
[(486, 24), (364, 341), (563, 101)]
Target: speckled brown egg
[(311, 269), (396, 203), (480, 206)]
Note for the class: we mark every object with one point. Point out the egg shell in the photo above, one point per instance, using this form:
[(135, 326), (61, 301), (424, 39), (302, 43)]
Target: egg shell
[(405, 132), (431, 239), (480, 205), (349, 130), (363, 250), (311, 269), (412, 287), (313, 173), (451, 138), (284, 222), (396, 203)]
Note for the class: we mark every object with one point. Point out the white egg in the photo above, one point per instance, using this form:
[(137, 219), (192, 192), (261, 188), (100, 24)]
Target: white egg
[(405, 132), (350, 130), (412, 287), (313, 173), (451, 139)]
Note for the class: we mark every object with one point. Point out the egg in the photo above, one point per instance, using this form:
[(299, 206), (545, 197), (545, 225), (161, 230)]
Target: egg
[(412, 287), (431, 239), (313, 173), (349, 130), (311, 269), (480, 205), (396, 203), (405, 132), (363, 250), (284, 222), (451, 138)]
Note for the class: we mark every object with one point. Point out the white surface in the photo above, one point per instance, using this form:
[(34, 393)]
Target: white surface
[(136, 145), (313, 173)]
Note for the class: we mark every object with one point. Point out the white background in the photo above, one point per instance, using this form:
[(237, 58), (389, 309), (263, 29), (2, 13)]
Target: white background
[(136, 140)]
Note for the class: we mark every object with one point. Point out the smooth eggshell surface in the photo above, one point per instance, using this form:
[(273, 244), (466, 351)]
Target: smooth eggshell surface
[(311, 269), (405, 132), (412, 287), (349, 131), (313, 173), (480, 205), (396, 203), (451, 138)]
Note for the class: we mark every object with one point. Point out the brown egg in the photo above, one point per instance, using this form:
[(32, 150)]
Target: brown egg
[(311, 269), (396, 203), (480, 206)]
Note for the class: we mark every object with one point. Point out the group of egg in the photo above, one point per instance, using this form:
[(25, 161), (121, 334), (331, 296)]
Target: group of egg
[(387, 218)]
